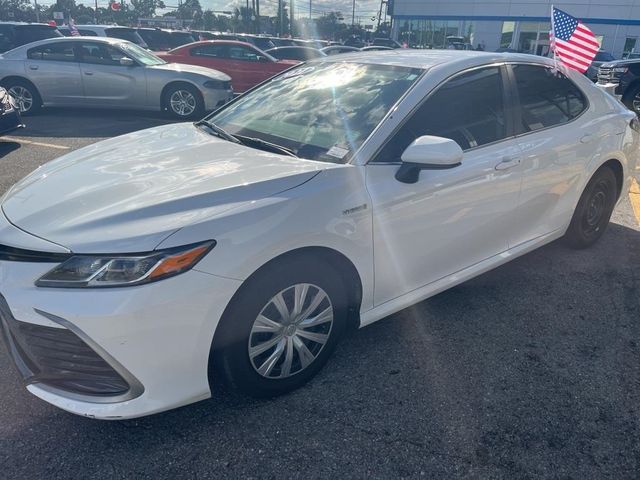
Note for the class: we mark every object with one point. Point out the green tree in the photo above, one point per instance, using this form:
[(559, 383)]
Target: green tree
[(17, 10), (146, 8)]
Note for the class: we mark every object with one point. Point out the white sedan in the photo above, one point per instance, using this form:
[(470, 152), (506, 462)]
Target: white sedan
[(135, 271)]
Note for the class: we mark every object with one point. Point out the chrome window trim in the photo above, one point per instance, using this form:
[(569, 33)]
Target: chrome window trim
[(510, 85)]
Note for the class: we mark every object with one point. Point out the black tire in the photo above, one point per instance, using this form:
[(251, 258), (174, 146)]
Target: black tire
[(25, 94), (594, 209), (187, 92), (231, 355), (631, 99)]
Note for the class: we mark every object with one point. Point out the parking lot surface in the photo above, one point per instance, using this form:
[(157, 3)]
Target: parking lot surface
[(529, 371)]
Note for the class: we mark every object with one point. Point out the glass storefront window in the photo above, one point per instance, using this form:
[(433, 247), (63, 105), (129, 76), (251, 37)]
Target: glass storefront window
[(507, 34), (629, 46)]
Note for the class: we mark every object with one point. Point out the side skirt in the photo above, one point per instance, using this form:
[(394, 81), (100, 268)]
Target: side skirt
[(418, 295)]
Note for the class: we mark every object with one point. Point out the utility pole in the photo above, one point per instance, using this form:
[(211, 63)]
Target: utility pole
[(309, 9), (257, 16), (291, 16), (281, 16), (353, 16), (37, 11), (95, 13)]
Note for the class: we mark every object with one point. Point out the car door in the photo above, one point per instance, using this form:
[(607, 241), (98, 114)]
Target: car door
[(250, 64), (216, 56), (55, 71), (449, 219), (555, 149), (108, 83)]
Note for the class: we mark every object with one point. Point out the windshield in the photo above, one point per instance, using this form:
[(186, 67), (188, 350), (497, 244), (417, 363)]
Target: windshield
[(141, 55), (155, 39), (31, 33), (320, 112), (604, 57), (177, 39), (126, 34)]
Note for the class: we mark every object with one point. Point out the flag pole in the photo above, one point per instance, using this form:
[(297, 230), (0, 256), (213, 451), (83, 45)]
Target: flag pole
[(553, 33)]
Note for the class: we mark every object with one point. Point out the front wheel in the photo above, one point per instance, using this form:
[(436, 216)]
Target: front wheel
[(184, 102), (282, 327), (594, 210), (25, 96), (631, 99)]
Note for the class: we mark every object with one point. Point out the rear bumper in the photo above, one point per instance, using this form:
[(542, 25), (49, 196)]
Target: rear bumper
[(611, 89), (156, 337)]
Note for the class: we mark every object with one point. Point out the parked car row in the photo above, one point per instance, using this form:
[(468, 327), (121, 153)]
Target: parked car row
[(108, 73)]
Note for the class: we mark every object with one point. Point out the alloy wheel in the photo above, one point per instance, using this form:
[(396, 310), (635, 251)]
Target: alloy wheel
[(636, 103), (183, 103), (290, 331), (22, 98)]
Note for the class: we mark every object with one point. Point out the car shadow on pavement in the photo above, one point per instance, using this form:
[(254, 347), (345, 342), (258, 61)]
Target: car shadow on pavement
[(89, 123), (530, 370), (6, 147)]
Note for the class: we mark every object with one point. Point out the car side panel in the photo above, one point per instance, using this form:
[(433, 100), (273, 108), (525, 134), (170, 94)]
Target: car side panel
[(332, 210)]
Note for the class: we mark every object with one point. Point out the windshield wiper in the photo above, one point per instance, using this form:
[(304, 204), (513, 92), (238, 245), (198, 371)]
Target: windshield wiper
[(273, 147), (216, 130)]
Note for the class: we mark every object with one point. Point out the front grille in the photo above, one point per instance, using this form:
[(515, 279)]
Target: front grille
[(58, 358), (607, 75)]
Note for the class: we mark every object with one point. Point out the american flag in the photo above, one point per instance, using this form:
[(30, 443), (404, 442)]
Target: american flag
[(571, 41)]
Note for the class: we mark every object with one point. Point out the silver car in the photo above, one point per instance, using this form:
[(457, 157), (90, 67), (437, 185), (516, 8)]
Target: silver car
[(108, 73)]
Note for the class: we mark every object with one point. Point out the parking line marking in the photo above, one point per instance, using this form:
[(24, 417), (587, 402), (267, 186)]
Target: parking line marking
[(634, 197), (37, 144)]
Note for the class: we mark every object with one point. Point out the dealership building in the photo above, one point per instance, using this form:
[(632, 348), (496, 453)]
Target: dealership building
[(520, 25)]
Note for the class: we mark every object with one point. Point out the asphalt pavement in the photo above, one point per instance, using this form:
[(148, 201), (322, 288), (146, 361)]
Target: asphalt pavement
[(529, 371)]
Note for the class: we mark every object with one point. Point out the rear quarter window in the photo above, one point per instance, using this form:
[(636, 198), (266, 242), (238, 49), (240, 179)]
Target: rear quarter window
[(547, 98)]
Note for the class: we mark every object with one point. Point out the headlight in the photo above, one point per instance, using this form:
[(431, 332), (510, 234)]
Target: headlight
[(90, 271), (216, 84), (620, 69)]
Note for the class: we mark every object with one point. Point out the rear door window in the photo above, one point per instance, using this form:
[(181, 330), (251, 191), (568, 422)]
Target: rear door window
[(53, 52), (547, 98), (215, 51)]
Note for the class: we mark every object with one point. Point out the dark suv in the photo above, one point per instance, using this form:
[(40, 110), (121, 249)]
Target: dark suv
[(622, 78), (14, 34)]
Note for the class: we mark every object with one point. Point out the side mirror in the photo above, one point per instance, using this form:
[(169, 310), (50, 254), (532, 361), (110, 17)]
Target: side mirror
[(127, 62), (428, 153), (262, 59)]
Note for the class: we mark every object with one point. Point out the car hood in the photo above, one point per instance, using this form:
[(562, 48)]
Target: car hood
[(619, 63), (129, 193), (289, 63), (191, 69)]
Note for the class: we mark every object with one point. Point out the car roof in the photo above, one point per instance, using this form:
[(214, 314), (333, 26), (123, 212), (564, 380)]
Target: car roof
[(426, 59), (26, 23), (103, 26), (29, 46)]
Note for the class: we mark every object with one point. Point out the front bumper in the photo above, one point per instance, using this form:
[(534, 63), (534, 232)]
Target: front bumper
[(216, 98), (10, 121), (155, 337)]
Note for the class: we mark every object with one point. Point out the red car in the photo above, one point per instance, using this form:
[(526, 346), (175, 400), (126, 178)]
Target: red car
[(245, 64)]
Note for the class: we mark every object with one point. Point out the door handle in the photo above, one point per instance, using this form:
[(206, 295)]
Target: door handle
[(507, 163), (88, 73), (586, 138), (33, 67)]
